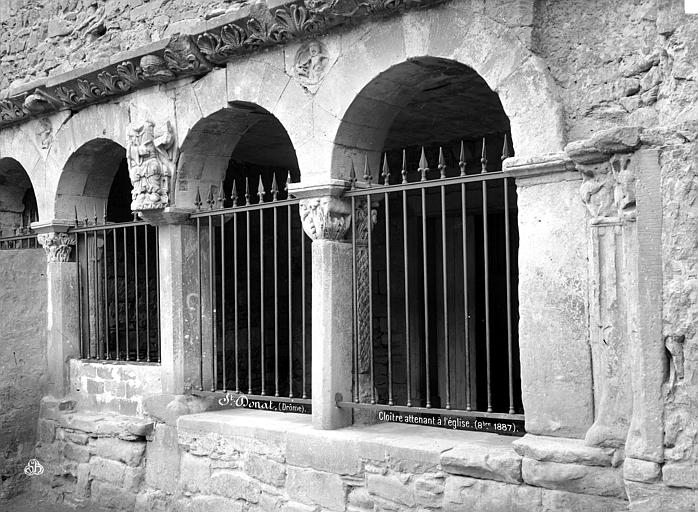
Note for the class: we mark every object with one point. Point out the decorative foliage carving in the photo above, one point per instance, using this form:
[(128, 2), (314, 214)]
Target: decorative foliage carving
[(624, 191), (186, 55), (56, 245), (152, 161), (311, 63), (325, 218)]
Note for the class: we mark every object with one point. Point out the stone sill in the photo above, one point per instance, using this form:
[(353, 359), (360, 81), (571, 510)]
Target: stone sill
[(476, 454)]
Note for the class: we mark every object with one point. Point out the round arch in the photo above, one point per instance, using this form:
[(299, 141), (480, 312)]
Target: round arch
[(240, 133), (18, 205), (87, 178), (452, 33)]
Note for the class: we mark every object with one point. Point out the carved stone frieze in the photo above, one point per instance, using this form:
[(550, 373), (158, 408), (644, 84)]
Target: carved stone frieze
[(608, 189), (325, 218), (44, 133), (195, 54), (152, 161), (56, 245)]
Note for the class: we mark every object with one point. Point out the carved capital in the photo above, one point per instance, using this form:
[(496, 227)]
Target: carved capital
[(325, 218), (56, 245)]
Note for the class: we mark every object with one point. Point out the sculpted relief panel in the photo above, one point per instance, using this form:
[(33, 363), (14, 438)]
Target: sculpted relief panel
[(152, 161)]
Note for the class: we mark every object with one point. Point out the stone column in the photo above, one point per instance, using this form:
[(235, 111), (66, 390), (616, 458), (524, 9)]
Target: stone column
[(179, 300), (556, 377), (63, 325), (326, 220)]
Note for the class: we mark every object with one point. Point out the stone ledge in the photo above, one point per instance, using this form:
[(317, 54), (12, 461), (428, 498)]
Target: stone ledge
[(107, 425), (562, 450), (380, 442), (489, 461), (574, 478)]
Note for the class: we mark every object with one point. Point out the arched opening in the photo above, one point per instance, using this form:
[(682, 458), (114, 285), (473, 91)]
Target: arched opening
[(18, 207), (251, 259), (436, 275), (116, 254)]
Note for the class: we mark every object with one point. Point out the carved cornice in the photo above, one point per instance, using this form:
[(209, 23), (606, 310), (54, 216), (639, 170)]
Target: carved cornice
[(325, 218), (213, 44), (56, 245)]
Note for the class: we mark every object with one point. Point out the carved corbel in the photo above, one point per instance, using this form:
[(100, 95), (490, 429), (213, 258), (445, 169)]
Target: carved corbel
[(56, 245), (325, 218)]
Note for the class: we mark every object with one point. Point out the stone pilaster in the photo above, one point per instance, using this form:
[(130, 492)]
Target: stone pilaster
[(326, 220), (63, 341), (556, 375)]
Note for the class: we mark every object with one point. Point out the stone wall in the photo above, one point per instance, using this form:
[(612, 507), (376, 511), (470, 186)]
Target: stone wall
[(22, 360), (259, 461), (631, 62), (116, 387), (680, 256)]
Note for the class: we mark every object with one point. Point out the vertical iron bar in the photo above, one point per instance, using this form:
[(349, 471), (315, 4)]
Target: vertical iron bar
[(444, 274), (276, 306), (128, 354), (212, 301), (355, 330), (223, 288), (135, 289), (485, 235), (249, 309), (87, 295), (105, 301), (407, 298), (290, 303), (81, 295), (261, 296), (201, 305), (425, 284), (466, 313), (147, 294), (389, 311), (305, 395), (235, 298), (510, 348), (116, 291), (98, 331)]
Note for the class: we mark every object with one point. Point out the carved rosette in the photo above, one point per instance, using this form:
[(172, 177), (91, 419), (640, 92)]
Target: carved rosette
[(325, 218), (56, 245), (152, 162)]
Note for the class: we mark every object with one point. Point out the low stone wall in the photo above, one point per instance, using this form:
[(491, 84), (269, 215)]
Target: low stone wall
[(23, 376), (243, 460), (114, 386)]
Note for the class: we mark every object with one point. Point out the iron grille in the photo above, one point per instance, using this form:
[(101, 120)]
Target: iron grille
[(434, 274), (254, 288), (118, 279)]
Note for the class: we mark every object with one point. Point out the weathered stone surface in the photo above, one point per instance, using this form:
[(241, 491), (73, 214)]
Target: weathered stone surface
[(316, 488), (574, 478), (475, 495), (652, 497), (163, 459), (554, 449), (265, 469), (680, 475), (641, 470), (76, 452), (235, 485), (391, 487), (46, 431), (195, 473), (486, 462), (555, 501), (128, 452), (112, 496), (107, 470)]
